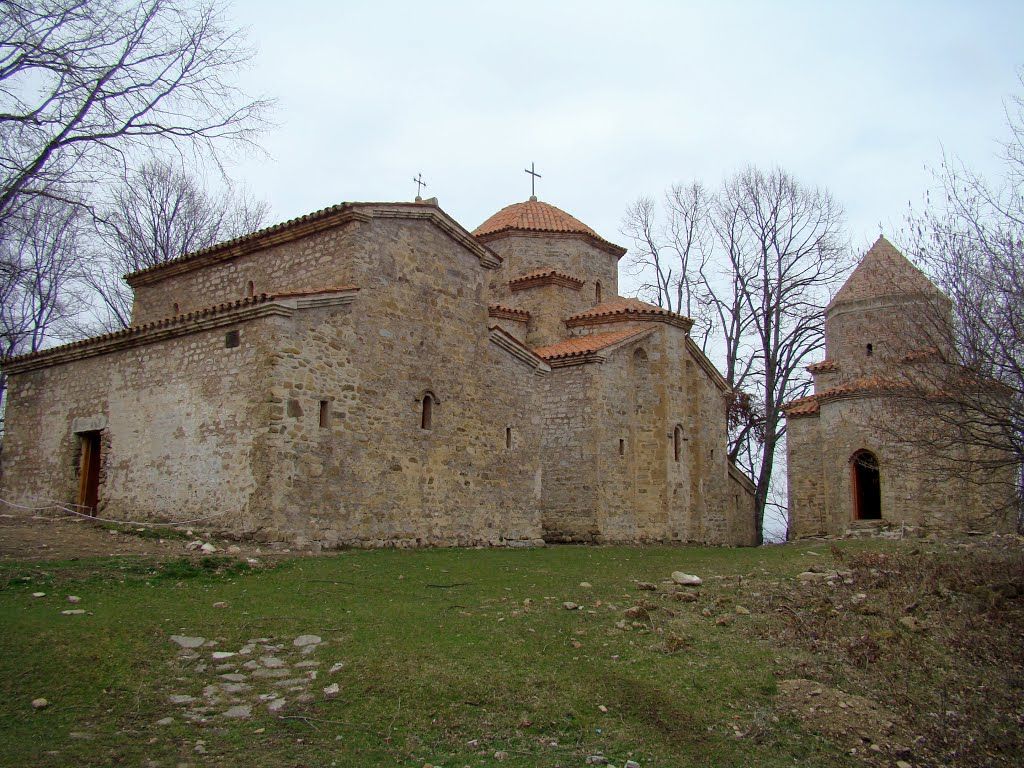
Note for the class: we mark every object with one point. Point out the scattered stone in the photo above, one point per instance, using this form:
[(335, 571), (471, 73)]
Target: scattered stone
[(584, 584), (251, 664), (165, 721), (245, 650), (194, 546), (332, 690), (283, 672), (309, 649), (188, 642), (291, 681), (74, 599), (631, 764), (276, 705), (569, 605), (500, 755), (73, 612), (903, 764), (637, 612), (272, 662), (234, 549), (597, 760), (304, 640), (239, 712), (38, 594), (207, 548), (40, 703), (307, 664), (685, 596), (686, 579), (235, 687), (742, 610), (180, 698), (337, 667), (220, 604), (724, 620), (602, 709), (646, 586), (218, 655)]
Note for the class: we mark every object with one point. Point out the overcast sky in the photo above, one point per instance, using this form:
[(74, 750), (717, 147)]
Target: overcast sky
[(617, 100)]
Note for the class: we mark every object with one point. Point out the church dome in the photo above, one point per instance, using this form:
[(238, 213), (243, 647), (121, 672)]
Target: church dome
[(536, 216), (885, 272)]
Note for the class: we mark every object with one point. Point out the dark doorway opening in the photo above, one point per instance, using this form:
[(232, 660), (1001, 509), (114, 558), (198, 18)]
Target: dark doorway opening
[(89, 472), (867, 487)]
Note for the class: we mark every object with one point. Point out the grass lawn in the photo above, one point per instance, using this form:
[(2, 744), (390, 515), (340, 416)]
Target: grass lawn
[(450, 658)]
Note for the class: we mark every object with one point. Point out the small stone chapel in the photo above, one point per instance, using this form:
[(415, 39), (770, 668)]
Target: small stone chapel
[(866, 451), (374, 374)]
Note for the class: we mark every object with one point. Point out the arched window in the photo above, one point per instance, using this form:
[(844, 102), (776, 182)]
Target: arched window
[(250, 288), (427, 414), (177, 309), (677, 442), (870, 349), (597, 291), (867, 486)]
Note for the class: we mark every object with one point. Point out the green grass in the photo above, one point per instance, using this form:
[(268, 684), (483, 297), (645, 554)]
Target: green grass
[(445, 661)]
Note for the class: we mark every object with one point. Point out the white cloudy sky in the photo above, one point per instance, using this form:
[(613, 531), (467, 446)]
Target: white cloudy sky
[(617, 100)]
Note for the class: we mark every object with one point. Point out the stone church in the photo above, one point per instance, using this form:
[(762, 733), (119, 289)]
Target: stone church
[(374, 374), (867, 450)]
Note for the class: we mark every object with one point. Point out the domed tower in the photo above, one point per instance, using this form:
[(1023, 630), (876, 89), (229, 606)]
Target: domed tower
[(553, 266)]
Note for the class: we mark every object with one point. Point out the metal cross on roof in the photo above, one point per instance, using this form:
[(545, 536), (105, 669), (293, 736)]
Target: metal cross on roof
[(420, 184), (533, 181)]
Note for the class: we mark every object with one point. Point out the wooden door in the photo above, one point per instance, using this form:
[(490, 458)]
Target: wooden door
[(89, 472)]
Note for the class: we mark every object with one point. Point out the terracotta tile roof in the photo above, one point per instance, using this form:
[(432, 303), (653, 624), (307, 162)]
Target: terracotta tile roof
[(806, 406), (536, 216), (174, 320), (581, 346), (623, 309), (544, 277), (508, 313), (884, 271), (823, 366)]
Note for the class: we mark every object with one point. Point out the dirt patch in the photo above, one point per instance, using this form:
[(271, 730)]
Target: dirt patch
[(27, 536)]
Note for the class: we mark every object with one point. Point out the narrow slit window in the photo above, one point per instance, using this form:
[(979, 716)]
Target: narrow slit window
[(677, 442), (250, 288), (508, 437), (427, 415), (177, 309), (232, 339), (325, 414), (871, 349), (622, 447), (597, 291)]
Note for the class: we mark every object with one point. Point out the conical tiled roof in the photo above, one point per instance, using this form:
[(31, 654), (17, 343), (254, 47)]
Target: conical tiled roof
[(884, 271), (536, 216)]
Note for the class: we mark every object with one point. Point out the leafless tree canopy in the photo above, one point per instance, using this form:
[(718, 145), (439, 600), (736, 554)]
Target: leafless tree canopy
[(86, 84), (754, 264), (970, 238), (159, 213)]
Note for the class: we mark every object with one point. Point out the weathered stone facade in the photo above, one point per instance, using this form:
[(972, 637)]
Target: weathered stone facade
[(374, 374), (868, 445)]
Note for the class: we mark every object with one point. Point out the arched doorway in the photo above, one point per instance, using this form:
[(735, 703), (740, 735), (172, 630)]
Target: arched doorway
[(867, 488)]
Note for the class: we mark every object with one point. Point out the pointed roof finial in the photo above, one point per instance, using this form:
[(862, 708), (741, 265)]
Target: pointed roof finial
[(533, 182)]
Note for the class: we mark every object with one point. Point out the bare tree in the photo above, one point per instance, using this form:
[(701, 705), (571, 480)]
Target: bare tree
[(764, 275), (158, 213), (85, 84), (38, 269), (971, 240)]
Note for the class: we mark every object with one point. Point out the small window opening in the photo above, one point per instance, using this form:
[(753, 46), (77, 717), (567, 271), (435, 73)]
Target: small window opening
[(177, 309), (597, 291), (508, 437), (622, 447), (677, 442), (427, 416), (325, 414), (231, 339), (250, 288), (871, 349)]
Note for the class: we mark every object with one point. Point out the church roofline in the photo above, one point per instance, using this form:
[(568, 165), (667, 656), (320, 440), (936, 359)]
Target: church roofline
[(535, 218), (624, 310), (508, 313), (541, 277), (311, 223), (506, 341), (218, 315), (592, 348)]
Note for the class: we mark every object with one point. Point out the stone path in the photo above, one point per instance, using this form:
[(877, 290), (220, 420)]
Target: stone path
[(266, 672)]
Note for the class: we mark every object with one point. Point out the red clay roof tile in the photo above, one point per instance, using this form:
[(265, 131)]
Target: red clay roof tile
[(536, 216), (580, 346)]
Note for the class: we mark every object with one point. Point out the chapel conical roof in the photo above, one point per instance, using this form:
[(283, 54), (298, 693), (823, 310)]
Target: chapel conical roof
[(536, 216), (884, 271)]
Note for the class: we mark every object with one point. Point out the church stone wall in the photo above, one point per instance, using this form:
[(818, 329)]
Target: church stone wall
[(372, 475), (177, 420)]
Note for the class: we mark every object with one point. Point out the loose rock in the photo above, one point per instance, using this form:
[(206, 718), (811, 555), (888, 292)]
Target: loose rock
[(304, 640), (686, 579), (73, 612), (74, 599), (569, 605), (646, 586), (239, 712), (332, 690), (188, 642), (40, 703)]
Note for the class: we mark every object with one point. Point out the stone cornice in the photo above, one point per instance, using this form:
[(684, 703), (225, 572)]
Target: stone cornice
[(318, 221), (221, 315), (517, 349), (508, 313), (545, 277)]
